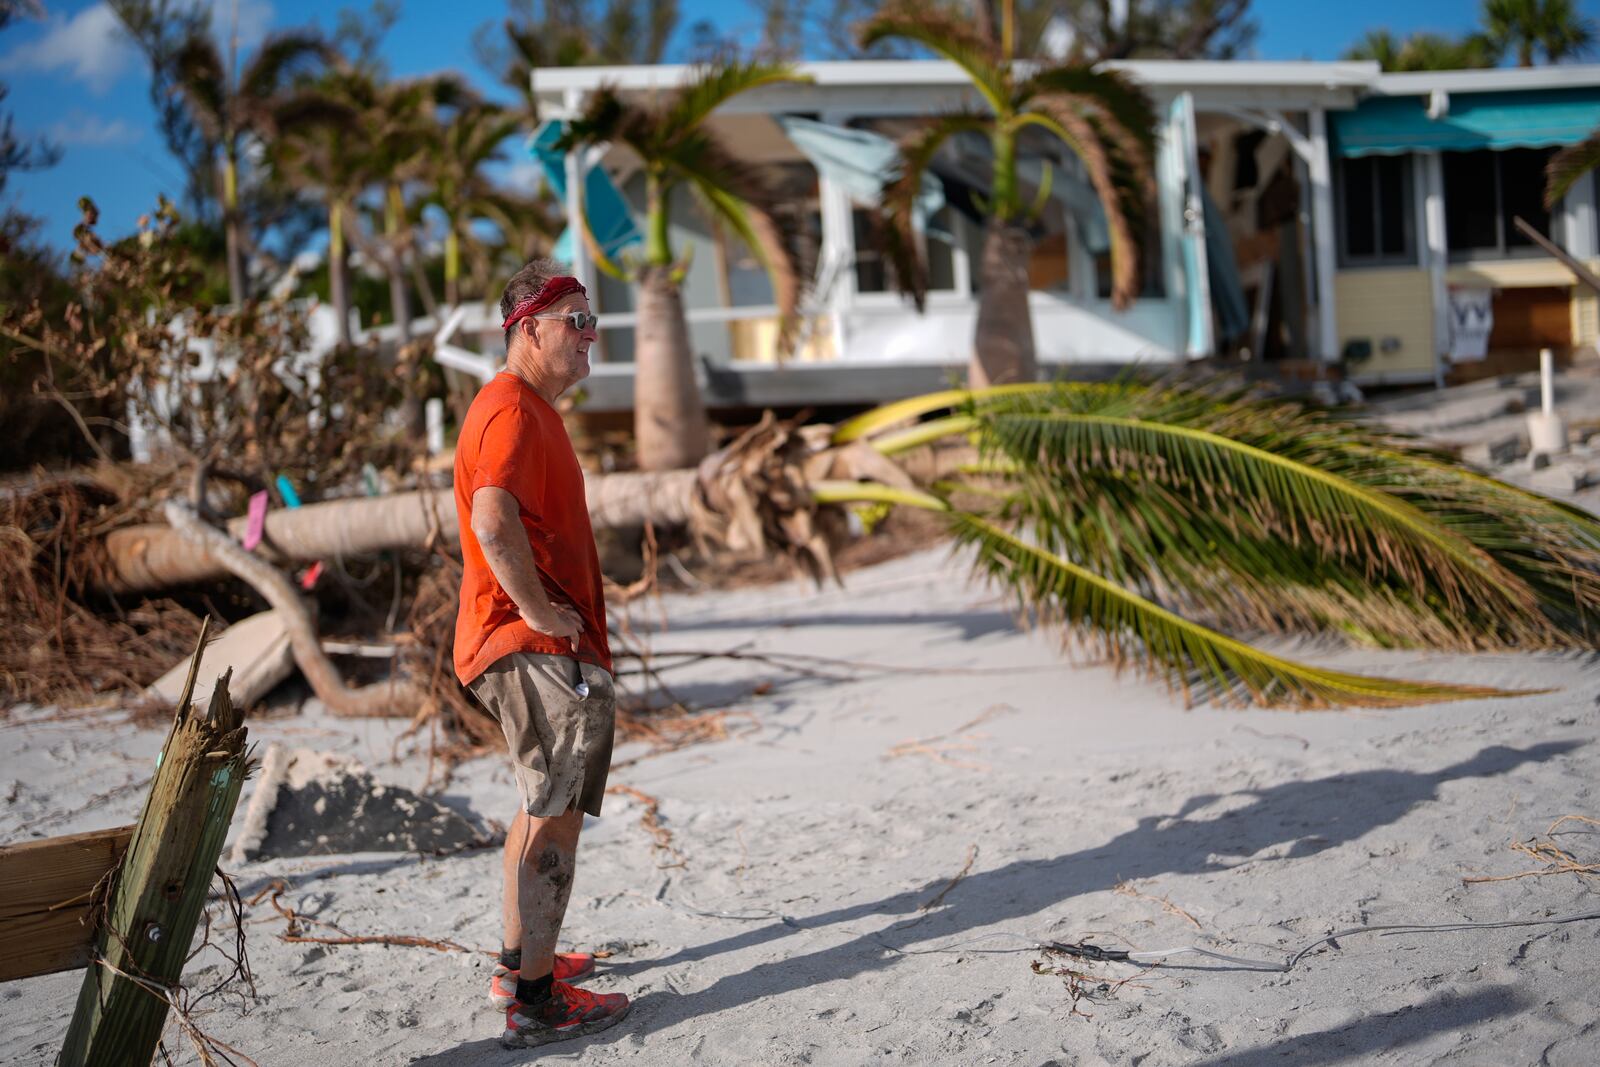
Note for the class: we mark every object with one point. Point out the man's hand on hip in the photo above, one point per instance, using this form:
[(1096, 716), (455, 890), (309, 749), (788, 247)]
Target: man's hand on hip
[(560, 621)]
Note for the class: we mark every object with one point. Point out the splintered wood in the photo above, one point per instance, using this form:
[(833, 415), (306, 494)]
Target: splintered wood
[(159, 890)]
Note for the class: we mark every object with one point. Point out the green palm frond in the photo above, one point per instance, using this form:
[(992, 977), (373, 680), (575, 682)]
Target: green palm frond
[(1062, 117), (740, 197), (1567, 166), (1159, 515), (1293, 499), (948, 36), (1203, 663), (897, 234), (279, 59), (204, 85), (1127, 117), (715, 85)]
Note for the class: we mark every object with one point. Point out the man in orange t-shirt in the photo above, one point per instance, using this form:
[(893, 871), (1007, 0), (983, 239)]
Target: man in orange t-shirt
[(531, 643)]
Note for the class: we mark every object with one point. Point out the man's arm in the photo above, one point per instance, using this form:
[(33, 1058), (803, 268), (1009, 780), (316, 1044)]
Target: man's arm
[(498, 528)]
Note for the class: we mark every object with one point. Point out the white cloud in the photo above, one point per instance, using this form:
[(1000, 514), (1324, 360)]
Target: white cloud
[(82, 128), (90, 47)]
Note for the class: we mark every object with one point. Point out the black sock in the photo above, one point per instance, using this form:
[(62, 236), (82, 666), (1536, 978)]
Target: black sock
[(511, 958), (533, 990)]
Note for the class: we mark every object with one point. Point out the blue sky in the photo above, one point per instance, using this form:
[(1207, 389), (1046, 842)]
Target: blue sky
[(74, 79)]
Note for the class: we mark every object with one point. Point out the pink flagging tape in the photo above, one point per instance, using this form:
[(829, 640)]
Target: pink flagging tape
[(257, 527)]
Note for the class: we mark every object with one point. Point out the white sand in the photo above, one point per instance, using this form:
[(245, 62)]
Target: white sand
[(1270, 828)]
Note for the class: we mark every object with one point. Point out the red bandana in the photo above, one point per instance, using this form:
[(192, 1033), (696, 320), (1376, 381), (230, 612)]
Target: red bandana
[(551, 291)]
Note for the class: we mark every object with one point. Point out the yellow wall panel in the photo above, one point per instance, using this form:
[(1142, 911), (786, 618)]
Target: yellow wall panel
[(1384, 302), (1585, 316)]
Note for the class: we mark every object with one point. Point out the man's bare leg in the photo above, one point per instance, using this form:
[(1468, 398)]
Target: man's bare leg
[(540, 857)]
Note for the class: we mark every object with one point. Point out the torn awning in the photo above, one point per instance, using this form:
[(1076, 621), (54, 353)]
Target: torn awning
[(609, 218), (858, 161), (1394, 125)]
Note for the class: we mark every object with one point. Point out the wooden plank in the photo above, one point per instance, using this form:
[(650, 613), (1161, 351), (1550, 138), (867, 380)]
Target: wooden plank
[(46, 890)]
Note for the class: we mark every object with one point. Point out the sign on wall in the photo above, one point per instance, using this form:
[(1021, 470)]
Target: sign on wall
[(1471, 319)]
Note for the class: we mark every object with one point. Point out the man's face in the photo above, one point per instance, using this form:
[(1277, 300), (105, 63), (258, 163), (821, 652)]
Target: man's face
[(562, 351)]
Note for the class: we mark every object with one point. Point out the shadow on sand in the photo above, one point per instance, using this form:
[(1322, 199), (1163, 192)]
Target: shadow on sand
[(1307, 816)]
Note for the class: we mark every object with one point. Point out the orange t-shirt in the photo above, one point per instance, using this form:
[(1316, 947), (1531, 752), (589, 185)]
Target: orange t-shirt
[(512, 439)]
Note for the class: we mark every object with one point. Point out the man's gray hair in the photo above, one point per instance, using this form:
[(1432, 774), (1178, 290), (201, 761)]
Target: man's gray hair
[(525, 283)]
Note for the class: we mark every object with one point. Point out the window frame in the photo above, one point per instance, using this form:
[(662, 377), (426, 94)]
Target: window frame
[(1408, 215), (1502, 250)]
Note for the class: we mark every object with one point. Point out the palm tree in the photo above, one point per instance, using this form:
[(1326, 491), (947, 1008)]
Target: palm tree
[(453, 171), (1146, 517), (320, 152), (1154, 519), (1553, 27), (1425, 51), (670, 138), (1099, 114), (228, 105)]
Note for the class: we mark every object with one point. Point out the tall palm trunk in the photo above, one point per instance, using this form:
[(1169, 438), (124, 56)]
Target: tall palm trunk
[(338, 280), (230, 228), (1002, 350), (452, 266), (669, 415), (400, 304), (399, 299)]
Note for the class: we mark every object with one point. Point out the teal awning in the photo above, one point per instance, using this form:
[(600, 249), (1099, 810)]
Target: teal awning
[(609, 218), (1392, 125)]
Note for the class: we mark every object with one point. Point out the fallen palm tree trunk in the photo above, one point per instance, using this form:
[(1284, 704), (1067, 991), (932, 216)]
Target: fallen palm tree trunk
[(142, 558), (161, 886)]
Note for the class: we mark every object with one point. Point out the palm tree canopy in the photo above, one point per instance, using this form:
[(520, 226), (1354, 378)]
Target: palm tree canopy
[(223, 110), (1425, 51), (1147, 515), (1553, 27), (1107, 121), (671, 139)]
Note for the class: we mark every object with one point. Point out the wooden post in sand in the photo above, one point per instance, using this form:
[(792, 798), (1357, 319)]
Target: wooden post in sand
[(156, 900)]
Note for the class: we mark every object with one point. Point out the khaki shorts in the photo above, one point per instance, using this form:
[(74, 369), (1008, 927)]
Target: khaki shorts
[(560, 743)]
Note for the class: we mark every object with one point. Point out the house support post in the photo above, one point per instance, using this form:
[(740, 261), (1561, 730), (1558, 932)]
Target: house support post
[(582, 269), (1323, 237), (1436, 252)]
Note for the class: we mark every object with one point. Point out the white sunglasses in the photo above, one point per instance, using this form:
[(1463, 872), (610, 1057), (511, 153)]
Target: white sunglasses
[(579, 320)]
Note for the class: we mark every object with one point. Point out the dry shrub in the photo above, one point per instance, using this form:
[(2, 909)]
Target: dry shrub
[(57, 648)]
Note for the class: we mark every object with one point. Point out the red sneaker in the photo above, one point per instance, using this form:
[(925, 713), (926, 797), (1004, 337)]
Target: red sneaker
[(567, 1012), (570, 967)]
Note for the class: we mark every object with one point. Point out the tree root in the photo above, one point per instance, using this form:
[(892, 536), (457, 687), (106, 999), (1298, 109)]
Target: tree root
[(395, 697)]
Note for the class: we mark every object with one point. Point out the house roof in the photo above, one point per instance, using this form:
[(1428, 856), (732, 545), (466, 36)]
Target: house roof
[(889, 86), (1567, 76)]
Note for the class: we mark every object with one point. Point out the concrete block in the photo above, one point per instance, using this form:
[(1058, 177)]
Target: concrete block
[(1496, 452), (1562, 478)]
